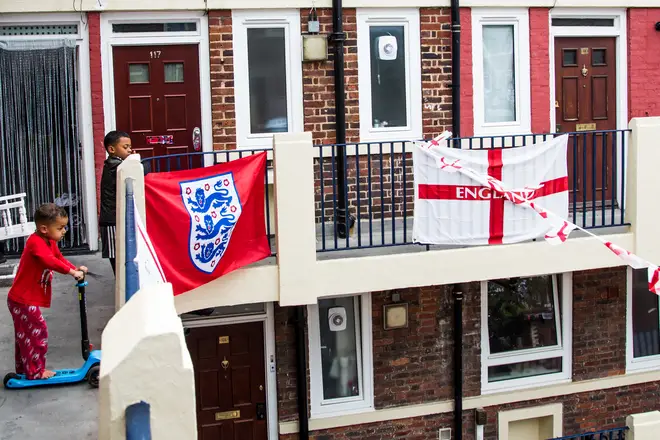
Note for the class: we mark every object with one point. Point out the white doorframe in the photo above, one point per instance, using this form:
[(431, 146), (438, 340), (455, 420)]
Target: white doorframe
[(620, 33), (199, 37), (268, 320), (84, 103)]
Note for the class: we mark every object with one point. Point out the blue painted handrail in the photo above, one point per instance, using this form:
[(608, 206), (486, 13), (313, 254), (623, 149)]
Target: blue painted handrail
[(138, 422), (132, 274)]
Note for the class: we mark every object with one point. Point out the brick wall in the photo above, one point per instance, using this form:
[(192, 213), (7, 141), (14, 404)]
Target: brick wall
[(599, 323), (414, 365), (98, 118), (222, 80), (581, 413), (539, 52), (643, 62), (467, 90)]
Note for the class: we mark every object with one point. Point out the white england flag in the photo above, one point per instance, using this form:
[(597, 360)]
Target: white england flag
[(149, 269), (454, 209)]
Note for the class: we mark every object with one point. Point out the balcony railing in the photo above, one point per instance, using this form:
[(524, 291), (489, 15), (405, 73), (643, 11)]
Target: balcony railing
[(186, 161), (379, 187), (379, 184), (608, 434)]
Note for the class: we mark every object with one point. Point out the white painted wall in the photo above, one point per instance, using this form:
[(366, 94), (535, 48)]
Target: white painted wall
[(145, 358), (643, 426), (199, 5), (298, 278)]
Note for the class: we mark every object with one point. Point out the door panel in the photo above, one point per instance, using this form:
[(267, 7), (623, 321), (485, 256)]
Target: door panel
[(585, 78), (157, 100), (229, 381)]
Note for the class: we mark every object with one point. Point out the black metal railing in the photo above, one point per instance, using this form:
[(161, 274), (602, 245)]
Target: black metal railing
[(186, 161), (379, 187), (607, 434)]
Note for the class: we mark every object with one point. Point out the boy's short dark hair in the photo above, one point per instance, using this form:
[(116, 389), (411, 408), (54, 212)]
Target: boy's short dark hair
[(112, 138), (48, 213)]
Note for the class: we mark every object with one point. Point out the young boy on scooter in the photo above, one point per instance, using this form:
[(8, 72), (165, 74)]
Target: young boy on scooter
[(32, 289)]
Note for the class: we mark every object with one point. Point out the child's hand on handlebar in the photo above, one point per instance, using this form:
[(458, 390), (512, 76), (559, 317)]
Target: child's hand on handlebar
[(83, 269), (77, 274)]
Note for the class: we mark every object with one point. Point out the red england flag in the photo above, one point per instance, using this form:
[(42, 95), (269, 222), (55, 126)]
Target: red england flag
[(453, 208), (207, 222)]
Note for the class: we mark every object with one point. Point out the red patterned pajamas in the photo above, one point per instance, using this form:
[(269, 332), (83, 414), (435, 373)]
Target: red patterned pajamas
[(31, 335)]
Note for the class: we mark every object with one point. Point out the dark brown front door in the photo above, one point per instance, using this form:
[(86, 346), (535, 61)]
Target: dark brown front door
[(157, 98), (230, 381), (585, 94)]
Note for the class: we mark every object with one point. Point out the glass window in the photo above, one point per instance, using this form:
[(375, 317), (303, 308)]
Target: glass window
[(645, 317), (138, 73), (173, 72), (524, 329), (339, 333), (388, 76), (268, 82), (154, 27), (583, 22), (499, 73)]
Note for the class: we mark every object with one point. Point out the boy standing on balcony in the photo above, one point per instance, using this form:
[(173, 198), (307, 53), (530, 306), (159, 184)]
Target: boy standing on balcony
[(118, 146)]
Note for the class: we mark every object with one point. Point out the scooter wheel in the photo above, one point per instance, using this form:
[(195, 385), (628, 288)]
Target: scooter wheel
[(8, 377), (93, 376)]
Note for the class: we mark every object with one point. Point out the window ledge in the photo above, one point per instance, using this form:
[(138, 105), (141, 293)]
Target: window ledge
[(340, 412), (511, 386)]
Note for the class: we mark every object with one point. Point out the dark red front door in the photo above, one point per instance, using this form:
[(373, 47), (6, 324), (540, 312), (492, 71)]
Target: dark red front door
[(585, 94), (230, 382), (157, 98)]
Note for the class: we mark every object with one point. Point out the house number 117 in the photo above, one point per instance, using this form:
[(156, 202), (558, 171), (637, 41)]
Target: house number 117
[(155, 54)]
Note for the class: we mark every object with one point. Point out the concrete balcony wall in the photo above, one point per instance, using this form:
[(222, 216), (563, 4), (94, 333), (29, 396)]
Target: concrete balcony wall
[(298, 276)]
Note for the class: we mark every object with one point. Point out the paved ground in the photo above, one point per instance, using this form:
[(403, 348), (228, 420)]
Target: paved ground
[(66, 412)]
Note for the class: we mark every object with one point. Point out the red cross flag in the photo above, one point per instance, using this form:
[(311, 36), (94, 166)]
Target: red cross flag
[(452, 207)]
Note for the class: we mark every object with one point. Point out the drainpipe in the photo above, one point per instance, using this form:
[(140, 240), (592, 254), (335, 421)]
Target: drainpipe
[(458, 288), (301, 374), (458, 361), (337, 38)]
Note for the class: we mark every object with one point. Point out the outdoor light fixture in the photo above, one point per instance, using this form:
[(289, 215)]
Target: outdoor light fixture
[(315, 46), (657, 26)]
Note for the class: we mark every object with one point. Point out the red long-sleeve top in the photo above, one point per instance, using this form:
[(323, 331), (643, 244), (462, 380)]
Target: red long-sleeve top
[(32, 285)]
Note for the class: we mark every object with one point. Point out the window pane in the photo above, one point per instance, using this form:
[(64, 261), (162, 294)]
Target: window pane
[(267, 74), (153, 27), (138, 73), (388, 77), (583, 22), (499, 74), (524, 369), (339, 353), (646, 335), (173, 72), (521, 314)]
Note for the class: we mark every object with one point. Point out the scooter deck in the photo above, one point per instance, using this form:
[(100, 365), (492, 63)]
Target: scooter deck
[(61, 376)]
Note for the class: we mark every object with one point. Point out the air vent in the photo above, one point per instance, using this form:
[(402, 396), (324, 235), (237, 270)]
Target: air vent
[(41, 29), (444, 434)]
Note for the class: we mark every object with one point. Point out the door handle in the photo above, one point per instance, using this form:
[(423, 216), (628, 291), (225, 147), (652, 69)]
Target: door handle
[(261, 411), (558, 128), (197, 139)]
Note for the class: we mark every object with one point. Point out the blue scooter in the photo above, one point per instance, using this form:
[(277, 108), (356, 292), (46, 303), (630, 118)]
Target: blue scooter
[(90, 369)]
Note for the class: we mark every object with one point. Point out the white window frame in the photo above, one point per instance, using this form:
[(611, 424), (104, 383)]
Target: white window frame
[(563, 349), (409, 19), (289, 20), (519, 19), (321, 408), (646, 363)]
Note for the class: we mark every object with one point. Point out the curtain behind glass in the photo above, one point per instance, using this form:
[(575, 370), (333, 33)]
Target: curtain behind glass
[(39, 143), (499, 74)]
